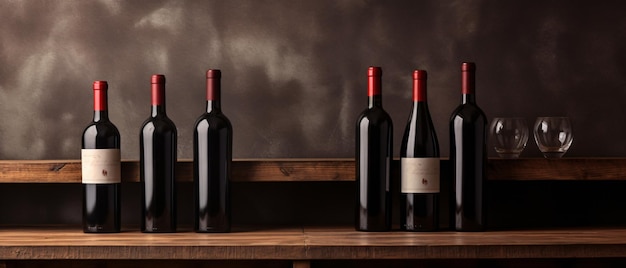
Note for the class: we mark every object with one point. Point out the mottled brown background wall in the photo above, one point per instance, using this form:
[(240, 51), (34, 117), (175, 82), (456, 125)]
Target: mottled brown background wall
[(294, 71)]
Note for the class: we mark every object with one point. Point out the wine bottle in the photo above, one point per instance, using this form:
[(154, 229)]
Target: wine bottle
[(374, 139), (157, 139), (101, 168), (419, 165), (468, 154), (212, 152)]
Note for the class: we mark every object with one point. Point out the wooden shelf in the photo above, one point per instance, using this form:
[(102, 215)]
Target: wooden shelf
[(561, 243), (584, 169), (49, 243), (304, 243), (302, 246), (291, 170), (266, 170)]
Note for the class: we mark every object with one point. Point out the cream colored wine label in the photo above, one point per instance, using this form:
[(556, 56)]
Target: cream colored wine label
[(419, 175), (101, 166)]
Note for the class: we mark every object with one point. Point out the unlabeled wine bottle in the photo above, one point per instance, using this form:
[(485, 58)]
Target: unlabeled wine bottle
[(419, 165), (374, 139), (468, 154), (101, 168), (157, 138), (212, 152)]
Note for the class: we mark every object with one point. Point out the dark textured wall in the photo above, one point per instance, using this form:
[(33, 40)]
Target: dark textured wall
[(294, 71)]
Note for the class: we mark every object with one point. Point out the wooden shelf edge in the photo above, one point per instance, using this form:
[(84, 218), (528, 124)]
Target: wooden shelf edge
[(244, 170), (566, 169), (317, 170), (310, 243)]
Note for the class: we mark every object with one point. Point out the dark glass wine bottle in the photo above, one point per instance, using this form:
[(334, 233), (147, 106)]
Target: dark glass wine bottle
[(158, 141), (212, 152), (419, 165), (468, 154), (101, 168), (374, 140)]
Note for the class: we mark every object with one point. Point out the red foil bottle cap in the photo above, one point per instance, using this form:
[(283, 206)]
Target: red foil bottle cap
[(213, 84), (100, 95), (374, 84), (158, 89), (468, 66), (468, 83), (374, 71), (100, 85), (419, 75), (213, 73), (419, 85), (158, 79)]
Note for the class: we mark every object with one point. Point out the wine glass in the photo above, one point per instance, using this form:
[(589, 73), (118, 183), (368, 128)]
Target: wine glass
[(554, 135), (509, 136)]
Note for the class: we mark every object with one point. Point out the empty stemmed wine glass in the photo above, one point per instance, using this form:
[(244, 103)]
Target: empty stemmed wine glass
[(554, 135)]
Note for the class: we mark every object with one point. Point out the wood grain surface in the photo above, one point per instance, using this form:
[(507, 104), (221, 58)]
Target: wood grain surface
[(71, 243), (557, 169), (309, 243), (570, 243), (265, 170), (293, 170)]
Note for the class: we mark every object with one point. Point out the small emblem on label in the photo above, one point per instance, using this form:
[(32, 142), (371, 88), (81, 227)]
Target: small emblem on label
[(104, 172), (425, 181)]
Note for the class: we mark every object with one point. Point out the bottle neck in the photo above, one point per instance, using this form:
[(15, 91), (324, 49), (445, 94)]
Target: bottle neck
[(213, 94), (100, 116), (158, 100), (100, 108), (375, 101), (374, 91), (419, 90), (468, 86), (469, 98), (213, 106)]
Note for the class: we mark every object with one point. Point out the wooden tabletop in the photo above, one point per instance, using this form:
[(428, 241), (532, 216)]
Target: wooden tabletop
[(309, 243), (578, 243), (323, 169), (71, 243)]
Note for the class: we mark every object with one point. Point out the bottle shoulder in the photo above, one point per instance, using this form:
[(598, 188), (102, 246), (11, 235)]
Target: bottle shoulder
[(420, 114), (213, 119), (158, 128), (375, 115), (99, 135), (420, 137), (159, 122), (101, 127), (420, 121), (468, 111)]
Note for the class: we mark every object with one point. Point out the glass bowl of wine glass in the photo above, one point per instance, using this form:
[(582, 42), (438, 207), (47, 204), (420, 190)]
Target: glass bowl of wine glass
[(509, 136), (554, 135)]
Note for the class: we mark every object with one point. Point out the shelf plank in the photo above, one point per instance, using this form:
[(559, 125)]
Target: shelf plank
[(46, 243), (266, 170), (557, 169), (294, 170), (572, 243), (40, 171), (309, 243)]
